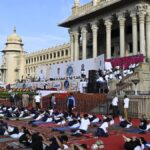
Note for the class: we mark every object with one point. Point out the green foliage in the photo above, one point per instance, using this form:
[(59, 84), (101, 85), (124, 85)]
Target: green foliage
[(6, 94)]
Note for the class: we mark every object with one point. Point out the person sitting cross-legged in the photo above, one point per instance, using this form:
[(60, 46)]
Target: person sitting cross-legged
[(85, 122), (103, 129)]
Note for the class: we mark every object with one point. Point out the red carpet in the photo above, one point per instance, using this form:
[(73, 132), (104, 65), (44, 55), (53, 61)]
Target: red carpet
[(113, 142)]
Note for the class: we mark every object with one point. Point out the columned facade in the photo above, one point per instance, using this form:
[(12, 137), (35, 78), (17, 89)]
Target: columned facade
[(134, 33), (76, 45), (84, 42), (128, 29), (95, 34), (71, 46), (122, 35), (142, 31), (108, 25), (148, 35)]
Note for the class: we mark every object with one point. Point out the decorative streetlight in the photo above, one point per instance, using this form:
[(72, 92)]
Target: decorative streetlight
[(135, 82)]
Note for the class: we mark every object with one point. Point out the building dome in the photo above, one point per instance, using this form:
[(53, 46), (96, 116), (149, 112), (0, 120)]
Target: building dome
[(14, 38), (14, 43)]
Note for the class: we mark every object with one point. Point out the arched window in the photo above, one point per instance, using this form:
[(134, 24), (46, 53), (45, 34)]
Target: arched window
[(62, 53), (54, 55), (34, 59), (58, 54), (47, 56), (66, 52), (37, 58), (31, 70), (51, 55), (34, 68), (40, 58), (43, 57)]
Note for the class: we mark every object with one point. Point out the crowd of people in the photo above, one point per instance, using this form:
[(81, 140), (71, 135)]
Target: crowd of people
[(115, 73), (78, 124)]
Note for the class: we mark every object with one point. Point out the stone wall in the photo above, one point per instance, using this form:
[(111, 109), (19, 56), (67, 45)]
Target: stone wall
[(138, 106)]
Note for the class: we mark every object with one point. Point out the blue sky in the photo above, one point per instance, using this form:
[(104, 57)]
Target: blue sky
[(36, 22)]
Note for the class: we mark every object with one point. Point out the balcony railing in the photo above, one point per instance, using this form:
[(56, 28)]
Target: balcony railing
[(89, 6)]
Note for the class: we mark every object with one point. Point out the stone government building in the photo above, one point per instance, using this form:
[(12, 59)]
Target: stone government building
[(116, 28)]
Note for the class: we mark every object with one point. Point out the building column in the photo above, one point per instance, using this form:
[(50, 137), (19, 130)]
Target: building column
[(142, 32), (134, 34), (95, 34), (121, 20), (108, 25), (77, 3), (71, 46), (76, 45), (148, 36), (95, 2), (84, 42)]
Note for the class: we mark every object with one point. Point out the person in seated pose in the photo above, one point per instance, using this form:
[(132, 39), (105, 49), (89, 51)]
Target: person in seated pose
[(85, 122), (144, 125), (125, 123), (14, 132), (37, 141), (94, 119), (25, 139), (57, 143), (134, 143), (3, 128), (103, 129), (74, 123)]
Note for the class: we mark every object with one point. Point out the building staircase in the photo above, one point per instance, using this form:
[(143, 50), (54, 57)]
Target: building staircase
[(127, 85)]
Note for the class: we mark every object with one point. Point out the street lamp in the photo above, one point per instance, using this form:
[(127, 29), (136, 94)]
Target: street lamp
[(135, 82)]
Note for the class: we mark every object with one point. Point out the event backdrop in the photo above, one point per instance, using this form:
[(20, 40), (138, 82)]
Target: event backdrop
[(76, 68)]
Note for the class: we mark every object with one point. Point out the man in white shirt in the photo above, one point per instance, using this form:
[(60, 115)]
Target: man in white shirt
[(102, 130), (115, 106), (85, 122), (37, 99), (126, 106)]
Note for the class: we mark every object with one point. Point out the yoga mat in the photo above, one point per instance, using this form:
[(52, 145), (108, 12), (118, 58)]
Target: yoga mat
[(48, 124), (41, 123), (133, 131), (5, 140), (64, 128)]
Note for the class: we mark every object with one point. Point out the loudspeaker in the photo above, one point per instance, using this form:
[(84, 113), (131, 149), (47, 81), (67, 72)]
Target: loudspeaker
[(92, 88), (92, 76), (97, 87)]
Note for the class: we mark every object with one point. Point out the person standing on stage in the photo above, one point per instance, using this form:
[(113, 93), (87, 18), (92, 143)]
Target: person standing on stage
[(37, 99), (126, 106), (52, 101), (115, 106), (71, 103), (25, 100)]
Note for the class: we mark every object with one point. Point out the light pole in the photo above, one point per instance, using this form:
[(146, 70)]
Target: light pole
[(135, 81)]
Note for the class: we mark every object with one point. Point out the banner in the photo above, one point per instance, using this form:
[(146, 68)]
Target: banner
[(76, 68)]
